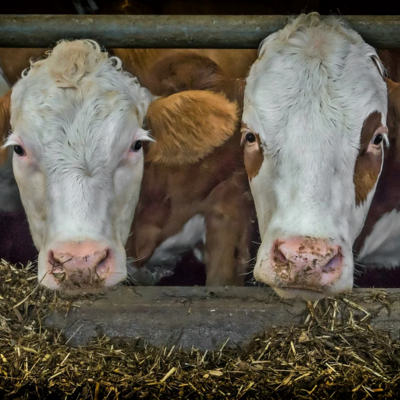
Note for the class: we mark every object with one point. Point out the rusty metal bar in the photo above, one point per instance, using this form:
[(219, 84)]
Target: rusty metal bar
[(172, 31)]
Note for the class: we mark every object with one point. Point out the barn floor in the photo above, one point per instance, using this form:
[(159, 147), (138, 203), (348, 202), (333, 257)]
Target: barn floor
[(335, 352)]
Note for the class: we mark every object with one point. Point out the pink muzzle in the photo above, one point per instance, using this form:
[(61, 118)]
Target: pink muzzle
[(306, 263)]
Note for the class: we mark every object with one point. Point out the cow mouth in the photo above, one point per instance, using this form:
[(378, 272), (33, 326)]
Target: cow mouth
[(79, 281), (71, 288)]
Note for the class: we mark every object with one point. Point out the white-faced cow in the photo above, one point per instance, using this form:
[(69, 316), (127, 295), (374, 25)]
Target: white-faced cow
[(76, 130), (76, 122), (314, 124)]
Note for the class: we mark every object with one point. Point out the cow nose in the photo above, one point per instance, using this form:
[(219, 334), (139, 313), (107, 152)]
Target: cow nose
[(306, 263), (80, 264)]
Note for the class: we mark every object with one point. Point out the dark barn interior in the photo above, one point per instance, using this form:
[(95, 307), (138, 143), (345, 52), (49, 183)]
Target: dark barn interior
[(207, 7)]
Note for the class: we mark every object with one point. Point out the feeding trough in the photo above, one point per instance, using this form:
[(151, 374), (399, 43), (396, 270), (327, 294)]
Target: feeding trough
[(170, 342)]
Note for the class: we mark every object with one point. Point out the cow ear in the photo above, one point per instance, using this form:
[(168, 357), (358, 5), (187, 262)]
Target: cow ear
[(189, 125), (5, 104)]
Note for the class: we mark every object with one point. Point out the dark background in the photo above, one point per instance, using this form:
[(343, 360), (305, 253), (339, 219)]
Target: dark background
[(202, 7)]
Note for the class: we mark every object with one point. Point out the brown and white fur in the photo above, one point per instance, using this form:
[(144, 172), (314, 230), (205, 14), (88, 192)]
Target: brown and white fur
[(195, 193), (315, 126)]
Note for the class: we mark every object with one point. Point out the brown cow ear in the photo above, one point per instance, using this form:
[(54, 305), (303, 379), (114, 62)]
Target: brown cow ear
[(5, 104), (189, 125)]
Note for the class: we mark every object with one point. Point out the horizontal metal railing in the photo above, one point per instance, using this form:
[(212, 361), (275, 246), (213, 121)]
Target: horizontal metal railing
[(172, 31)]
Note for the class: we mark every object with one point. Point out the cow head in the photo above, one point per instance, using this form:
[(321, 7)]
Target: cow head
[(76, 132), (314, 129), (74, 122)]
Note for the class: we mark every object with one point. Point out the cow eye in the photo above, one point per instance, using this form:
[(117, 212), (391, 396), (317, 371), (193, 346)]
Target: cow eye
[(250, 137), (377, 139), (19, 150), (137, 145)]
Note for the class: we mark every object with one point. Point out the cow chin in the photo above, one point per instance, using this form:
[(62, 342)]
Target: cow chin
[(104, 265)]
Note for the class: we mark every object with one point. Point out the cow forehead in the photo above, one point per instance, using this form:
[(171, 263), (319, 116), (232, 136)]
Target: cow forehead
[(315, 83), (70, 114), (91, 119), (77, 93)]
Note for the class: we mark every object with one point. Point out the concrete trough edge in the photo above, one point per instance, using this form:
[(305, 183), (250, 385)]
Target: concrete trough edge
[(201, 317)]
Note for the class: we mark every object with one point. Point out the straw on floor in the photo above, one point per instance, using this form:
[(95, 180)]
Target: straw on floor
[(333, 355)]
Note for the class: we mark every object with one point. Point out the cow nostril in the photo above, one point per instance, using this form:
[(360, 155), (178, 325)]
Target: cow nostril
[(279, 256), (102, 268), (333, 263), (60, 276), (52, 260), (59, 259), (57, 269)]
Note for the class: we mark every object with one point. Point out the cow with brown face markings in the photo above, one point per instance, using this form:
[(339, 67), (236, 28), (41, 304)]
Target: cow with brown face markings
[(314, 128), (378, 245), (379, 242)]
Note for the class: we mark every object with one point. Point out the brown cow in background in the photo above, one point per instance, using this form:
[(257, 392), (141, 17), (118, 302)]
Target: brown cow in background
[(199, 196)]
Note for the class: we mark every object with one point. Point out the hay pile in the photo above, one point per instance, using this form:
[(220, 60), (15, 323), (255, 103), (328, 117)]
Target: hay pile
[(325, 358)]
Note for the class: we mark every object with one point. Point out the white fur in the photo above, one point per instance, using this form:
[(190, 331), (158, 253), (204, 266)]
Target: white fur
[(166, 255), (382, 246), (192, 232), (307, 96), (77, 113)]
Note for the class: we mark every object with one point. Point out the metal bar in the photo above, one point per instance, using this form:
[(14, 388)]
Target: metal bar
[(172, 31)]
